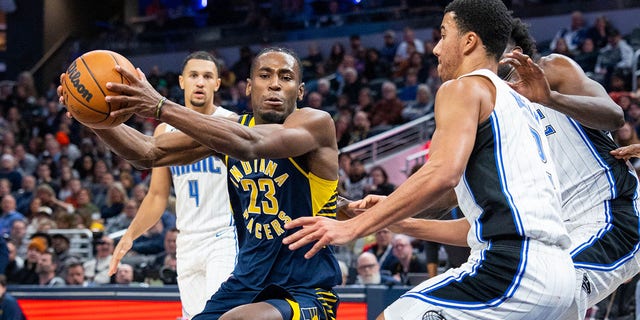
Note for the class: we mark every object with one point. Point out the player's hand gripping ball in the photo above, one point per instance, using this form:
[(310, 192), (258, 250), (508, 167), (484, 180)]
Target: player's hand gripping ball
[(84, 88)]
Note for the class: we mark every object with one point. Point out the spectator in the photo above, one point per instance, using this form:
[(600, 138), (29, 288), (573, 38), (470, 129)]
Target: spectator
[(96, 269), (389, 47), (410, 86), (74, 274), (574, 35), (18, 234), (409, 39), (422, 105), (9, 214), (336, 55), (369, 271), (28, 275), (361, 127), (357, 180), (587, 57), (26, 162), (46, 270), (311, 62), (382, 249), (352, 84), (151, 242), (374, 66), (86, 208), (408, 261), (380, 184), (8, 170), (43, 172), (617, 55), (115, 200), (25, 194), (8, 305), (124, 218), (329, 97), (333, 18), (16, 263), (388, 111), (61, 246), (124, 275), (598, 32)]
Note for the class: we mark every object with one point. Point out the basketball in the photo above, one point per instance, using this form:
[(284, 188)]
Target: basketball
[(84, 88)]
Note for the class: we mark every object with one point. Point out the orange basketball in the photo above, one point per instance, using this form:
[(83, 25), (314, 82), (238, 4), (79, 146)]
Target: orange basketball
[(84, 87)]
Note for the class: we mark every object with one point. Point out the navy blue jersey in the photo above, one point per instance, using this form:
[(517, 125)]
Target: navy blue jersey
[(265, 194)]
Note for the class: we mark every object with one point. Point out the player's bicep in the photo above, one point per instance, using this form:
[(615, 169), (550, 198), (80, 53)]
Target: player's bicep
[(456, 117)]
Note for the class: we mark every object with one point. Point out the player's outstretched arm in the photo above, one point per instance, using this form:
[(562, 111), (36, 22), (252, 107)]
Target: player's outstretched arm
[(452, 232), (560, 83), (150, 211), (627, 152), (457, 116), (144, 151)]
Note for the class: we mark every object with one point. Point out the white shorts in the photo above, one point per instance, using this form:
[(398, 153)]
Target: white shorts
[(495, 283), (204, 261), (605, 253)]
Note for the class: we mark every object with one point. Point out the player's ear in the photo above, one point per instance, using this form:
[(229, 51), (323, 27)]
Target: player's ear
[(217, 85), (301, 91), (247, 90), (471, 41), (181, 82)]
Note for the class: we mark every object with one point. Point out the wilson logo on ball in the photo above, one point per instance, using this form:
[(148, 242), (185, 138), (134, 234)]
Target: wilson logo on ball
[(74, 77)]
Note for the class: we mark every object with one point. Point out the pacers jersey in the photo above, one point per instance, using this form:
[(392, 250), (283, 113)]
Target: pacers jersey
[(265, 194), (588, 173), (202, 200), (508, 188)]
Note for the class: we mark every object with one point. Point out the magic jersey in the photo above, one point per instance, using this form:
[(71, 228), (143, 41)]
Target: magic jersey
[(596, 189), (265, 194), (202, 200), (507, 191)]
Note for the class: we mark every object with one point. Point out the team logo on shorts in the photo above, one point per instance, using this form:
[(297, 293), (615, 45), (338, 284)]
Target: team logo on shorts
[(433, 315), (309, 313)]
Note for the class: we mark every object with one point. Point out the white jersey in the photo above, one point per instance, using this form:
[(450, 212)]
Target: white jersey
[(202, 198), (507, 190), (519, 266), (587, 173), (599, 196)]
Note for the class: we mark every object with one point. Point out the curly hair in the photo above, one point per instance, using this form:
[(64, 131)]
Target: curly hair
[(520, 37), (490, 19)]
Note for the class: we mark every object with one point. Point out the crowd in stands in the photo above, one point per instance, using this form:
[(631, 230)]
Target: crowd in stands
[(55, 174)]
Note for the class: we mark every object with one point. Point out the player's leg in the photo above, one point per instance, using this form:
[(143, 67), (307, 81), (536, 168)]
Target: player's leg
[(220, 255), (304, 304), (191, 276), (231, 294)]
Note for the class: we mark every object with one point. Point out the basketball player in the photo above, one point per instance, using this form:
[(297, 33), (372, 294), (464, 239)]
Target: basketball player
[(489, 147), (282, 164), (599, 193), (206, 243)]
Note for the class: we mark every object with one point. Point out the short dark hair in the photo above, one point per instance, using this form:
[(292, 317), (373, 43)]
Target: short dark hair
[(286, 51), (201, 55), (520, 37), (490, 19)]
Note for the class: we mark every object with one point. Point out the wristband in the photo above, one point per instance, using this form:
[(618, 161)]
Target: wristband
[(159, 107)]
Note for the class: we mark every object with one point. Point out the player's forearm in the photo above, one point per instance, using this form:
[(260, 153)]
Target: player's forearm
[(452, 232), (217, 133), (150, 211), (594, 112), (128, 143), (420, 193)]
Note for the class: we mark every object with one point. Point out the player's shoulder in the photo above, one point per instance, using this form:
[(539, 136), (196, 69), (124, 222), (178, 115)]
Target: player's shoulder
[(554, 60), (311, 114), (467, 87)]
